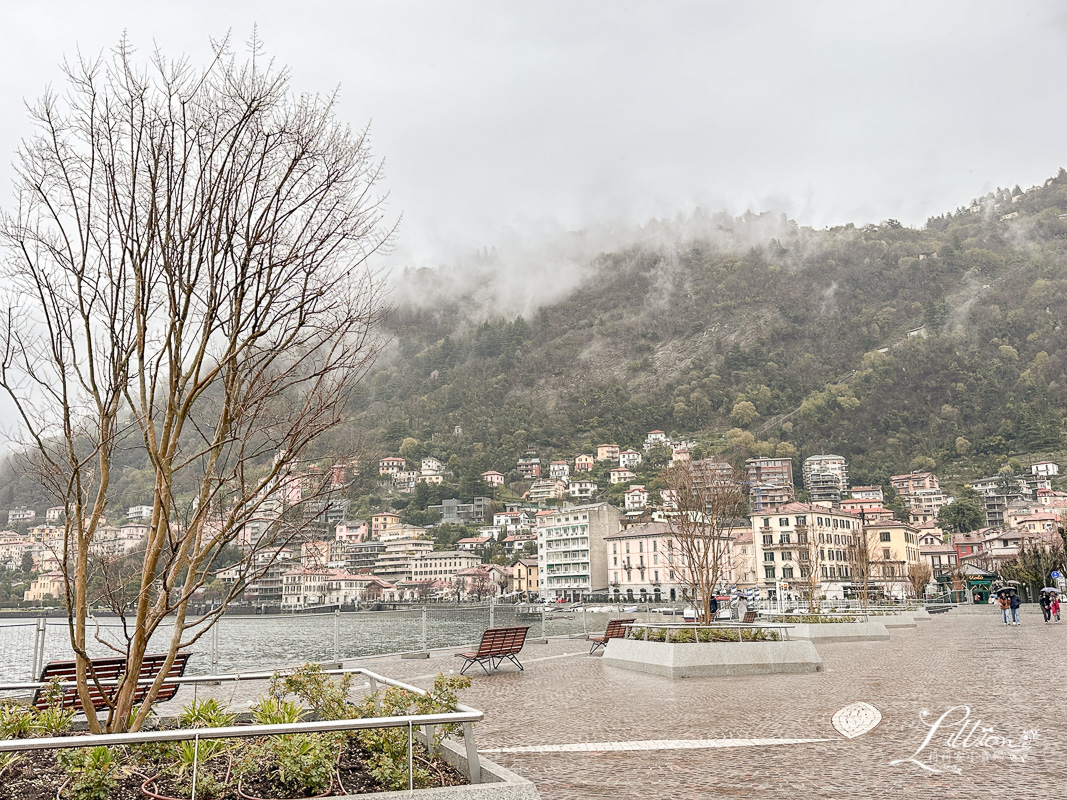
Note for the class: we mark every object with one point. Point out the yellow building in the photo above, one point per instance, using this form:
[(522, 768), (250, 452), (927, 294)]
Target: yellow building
[(894, 547)]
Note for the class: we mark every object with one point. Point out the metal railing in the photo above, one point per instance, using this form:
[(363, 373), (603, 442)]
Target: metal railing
[(465, 716)]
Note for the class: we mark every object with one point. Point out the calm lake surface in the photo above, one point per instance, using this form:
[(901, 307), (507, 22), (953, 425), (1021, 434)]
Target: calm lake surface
[(252, 643)]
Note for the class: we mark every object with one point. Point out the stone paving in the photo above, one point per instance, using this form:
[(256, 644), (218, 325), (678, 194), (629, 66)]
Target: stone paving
[(1010, 679)]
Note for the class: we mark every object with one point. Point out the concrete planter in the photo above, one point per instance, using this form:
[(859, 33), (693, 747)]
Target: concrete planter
[(708, 659), (919, 614), (873, 631), (497, 783)]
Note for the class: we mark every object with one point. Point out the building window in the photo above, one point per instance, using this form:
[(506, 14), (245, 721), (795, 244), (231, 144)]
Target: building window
[(784, 539), (802, 520), (783, 522), (787, 556), (768, 556), (768, 539), (885, 553), (769, 572), (787, 572), (885, 536)]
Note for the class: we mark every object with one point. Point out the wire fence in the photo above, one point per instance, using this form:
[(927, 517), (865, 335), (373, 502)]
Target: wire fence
[(237, 643)]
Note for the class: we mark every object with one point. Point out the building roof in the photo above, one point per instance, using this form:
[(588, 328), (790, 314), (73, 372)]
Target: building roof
[(642, 529)]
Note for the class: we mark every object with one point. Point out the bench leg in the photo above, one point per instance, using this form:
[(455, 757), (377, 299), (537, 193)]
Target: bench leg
[(515, 660)]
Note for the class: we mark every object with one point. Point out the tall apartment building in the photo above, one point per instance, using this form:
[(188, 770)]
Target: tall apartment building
[(770, 482), (571, 553), (998, 492), (826, 478)]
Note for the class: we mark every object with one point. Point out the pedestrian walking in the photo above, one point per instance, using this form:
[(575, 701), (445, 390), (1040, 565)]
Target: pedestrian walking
[(1005, 606), (742, 608), (1054, 606), (1045, 601), (1014, 601)]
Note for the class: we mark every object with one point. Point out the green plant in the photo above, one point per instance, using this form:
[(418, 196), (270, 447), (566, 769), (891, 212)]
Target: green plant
[(16, 721), (53, 720), (305, 763), (326, 697), (275, 711), (209, 713), (182, 756), (7, 761), (387, 748), (94, 772)]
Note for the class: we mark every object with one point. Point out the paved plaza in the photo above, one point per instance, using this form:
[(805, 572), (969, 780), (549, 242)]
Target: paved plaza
[(999, 688)]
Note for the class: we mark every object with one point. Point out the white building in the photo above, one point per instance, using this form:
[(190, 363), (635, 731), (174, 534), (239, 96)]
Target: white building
[(442, 565), (135, 512), (635, 498), (571, 556), (826, 478), (581, 489), (21, 515), (1045, 469), (559, 470), (629, 459), (432, 466), (656, 439)]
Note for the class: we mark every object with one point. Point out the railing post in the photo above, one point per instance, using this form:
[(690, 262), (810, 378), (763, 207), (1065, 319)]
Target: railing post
[(425, 623), (411, 757), (492, 612), (543, 622), (337, 634), (474, 768), (585, 627), (38, 648), (374, 691)]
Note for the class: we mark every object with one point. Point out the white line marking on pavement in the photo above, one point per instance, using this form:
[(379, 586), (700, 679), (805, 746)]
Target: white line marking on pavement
[(653, 744)]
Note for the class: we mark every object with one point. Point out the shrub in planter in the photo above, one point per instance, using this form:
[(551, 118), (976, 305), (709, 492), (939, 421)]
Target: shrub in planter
[(93, 772), (387, 748)]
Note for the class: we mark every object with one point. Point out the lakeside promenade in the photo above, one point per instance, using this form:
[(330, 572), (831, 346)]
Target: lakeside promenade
[(1010, 679)]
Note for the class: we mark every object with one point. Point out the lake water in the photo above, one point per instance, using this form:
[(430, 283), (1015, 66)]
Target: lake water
[(249, 643)]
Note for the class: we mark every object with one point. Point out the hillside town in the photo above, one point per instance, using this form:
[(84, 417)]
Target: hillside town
[(595, 527)]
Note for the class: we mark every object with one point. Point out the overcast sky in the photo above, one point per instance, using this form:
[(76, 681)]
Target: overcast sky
[(506, 116), (501, 116)]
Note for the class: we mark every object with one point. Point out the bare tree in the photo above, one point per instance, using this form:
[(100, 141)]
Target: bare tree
[(862, 557), (919, 577), (187, 279), (810, 554), (709, 496)]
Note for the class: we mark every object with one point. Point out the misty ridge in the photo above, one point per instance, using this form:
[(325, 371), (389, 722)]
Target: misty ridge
[(538, 267), (544, 263)]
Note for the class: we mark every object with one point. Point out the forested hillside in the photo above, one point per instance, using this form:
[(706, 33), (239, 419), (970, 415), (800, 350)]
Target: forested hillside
[(748, 333), (763, 335)]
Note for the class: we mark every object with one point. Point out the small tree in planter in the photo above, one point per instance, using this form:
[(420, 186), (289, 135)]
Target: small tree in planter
[(810, 554), (708, 496)]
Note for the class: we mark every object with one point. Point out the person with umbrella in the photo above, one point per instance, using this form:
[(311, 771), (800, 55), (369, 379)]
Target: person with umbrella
[(1045, 601), (1014, 601), (1055, 607), (1005, 604)]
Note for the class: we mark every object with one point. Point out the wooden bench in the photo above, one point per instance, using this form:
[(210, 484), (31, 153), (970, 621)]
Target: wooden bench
[(496, 645), (616, 630), (109, 669), (750, 617)]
